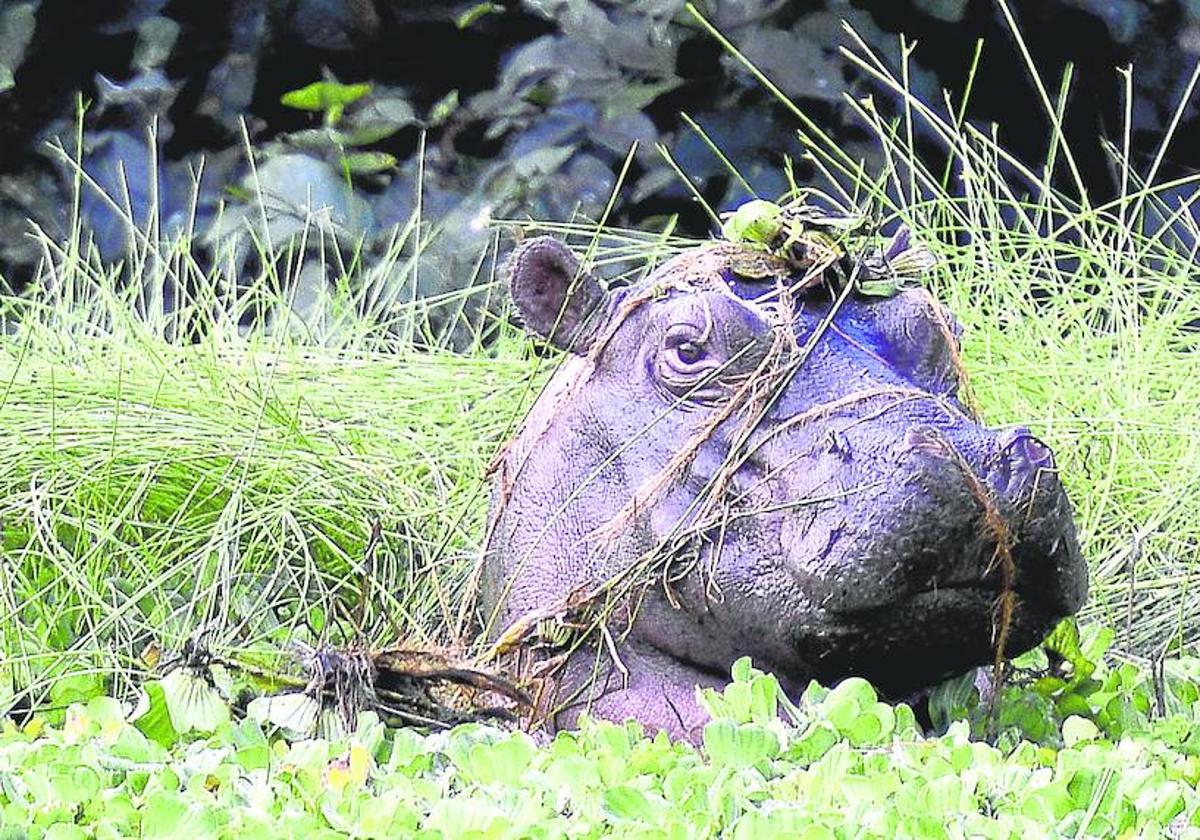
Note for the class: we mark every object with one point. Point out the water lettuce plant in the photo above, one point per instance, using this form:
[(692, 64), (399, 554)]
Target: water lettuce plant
[(839, 763)]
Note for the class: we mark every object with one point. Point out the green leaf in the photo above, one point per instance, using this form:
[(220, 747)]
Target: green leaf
[(442, 109), (295, 713), (739, 745), (169, 815), (253, 751), (737, 701), (1073, 704), (1048, 686), (849, 699), (764, 698), (953, 700), (628, 803), (1076, 729), (364, 136), (742, 669), (76, 688), (866, 729), (368, 163), (152, 717), (756, 222), (324, 96), (502, 761), (377, 118), (194, 705), (1064, 640), (477, 12), (1048, 804)]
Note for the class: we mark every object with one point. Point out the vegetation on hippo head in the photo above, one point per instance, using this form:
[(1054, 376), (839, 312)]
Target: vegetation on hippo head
[(823, 245)]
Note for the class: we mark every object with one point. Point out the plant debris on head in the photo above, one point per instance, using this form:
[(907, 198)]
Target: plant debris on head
[(821, 245), (796, 247)]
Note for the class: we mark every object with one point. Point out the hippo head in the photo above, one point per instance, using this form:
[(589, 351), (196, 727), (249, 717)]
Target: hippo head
[(769, 468)]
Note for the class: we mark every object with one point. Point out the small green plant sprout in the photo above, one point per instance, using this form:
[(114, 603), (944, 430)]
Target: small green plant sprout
[(819, 243), (329, 97), (355, 116)]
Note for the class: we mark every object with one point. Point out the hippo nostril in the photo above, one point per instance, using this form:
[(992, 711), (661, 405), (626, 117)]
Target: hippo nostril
[(1020, 457), (1010, 436), (1033, 452)]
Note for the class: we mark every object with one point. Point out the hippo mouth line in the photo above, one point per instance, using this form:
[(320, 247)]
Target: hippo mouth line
[(1030, 588), (925, 637)]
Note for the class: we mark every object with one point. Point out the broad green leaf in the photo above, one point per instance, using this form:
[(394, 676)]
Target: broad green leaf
[(953, 700), (168, 815), (742, 670), (817, 740), (295, 713), (76, 688), (764, 698), (628, 803), (756, 222), (502, 761), (1077, 729), (739, 745)]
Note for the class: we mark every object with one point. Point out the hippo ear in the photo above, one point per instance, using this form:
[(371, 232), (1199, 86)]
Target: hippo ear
[(556, 299)]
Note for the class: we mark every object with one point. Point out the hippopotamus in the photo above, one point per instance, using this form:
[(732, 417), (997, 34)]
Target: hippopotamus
[(726, 466)]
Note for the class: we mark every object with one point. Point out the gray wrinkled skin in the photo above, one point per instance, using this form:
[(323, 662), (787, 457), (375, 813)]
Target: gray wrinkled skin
[(848, 539)]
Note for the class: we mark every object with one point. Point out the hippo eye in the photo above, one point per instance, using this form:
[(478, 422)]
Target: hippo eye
[(690, 352), (686, 364)]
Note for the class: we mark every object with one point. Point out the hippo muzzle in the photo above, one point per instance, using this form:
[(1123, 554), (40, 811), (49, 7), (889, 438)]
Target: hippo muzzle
[(851, 518)]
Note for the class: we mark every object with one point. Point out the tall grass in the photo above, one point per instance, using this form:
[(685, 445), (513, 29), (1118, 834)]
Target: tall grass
[(170, 473), (167, 472)]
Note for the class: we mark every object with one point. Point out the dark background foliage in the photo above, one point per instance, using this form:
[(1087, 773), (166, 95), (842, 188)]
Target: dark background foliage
[(525, 108)]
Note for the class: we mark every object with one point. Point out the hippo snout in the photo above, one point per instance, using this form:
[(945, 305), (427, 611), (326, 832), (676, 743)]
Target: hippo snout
[(881, 518)]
